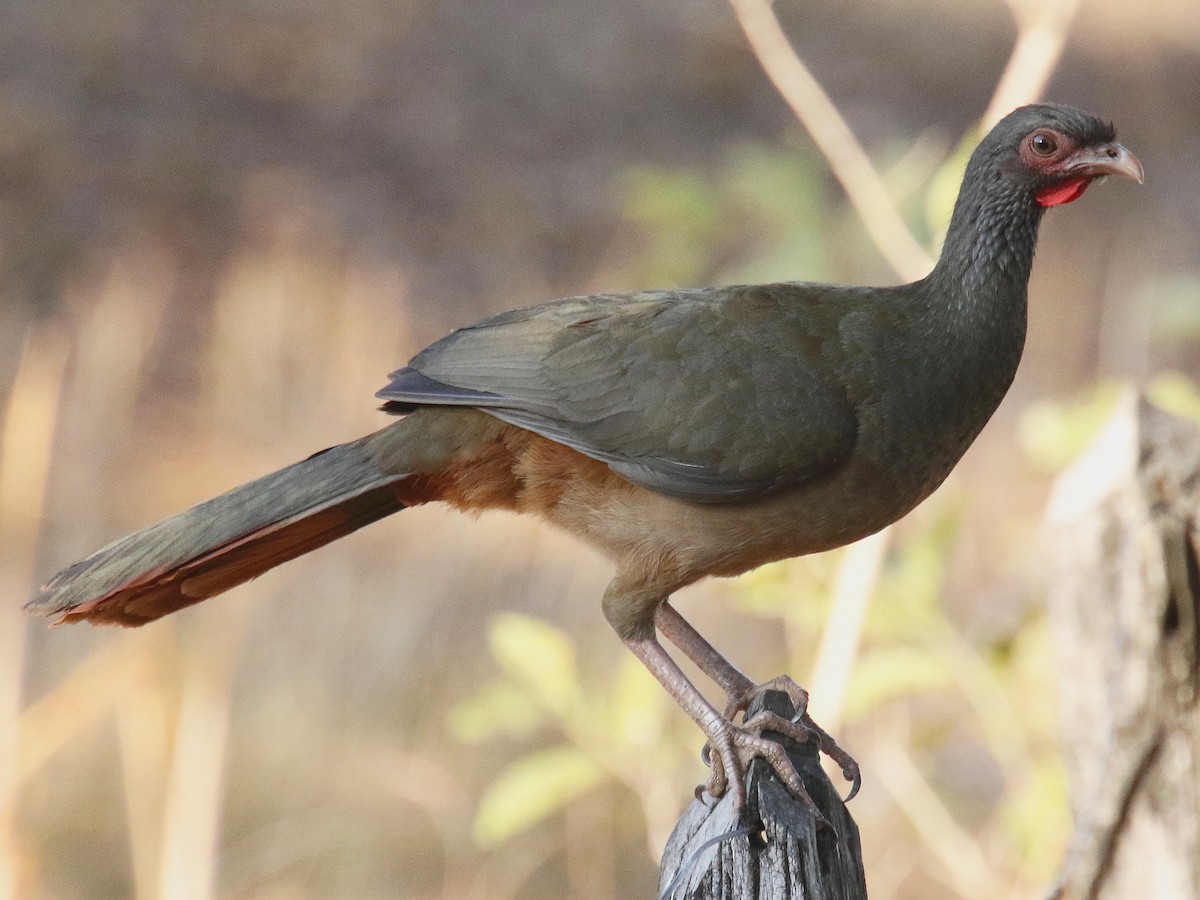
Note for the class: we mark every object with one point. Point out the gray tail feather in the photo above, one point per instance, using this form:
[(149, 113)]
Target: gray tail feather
[(225, 541)]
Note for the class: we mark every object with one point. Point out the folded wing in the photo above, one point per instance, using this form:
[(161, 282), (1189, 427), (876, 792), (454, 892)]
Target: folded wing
[(710, 395)]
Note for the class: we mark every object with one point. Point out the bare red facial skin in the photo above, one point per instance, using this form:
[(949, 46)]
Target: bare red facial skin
[(1050, 163), (1063, 191)]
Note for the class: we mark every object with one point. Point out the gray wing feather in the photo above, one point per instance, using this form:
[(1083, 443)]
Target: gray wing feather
[(705, 395)]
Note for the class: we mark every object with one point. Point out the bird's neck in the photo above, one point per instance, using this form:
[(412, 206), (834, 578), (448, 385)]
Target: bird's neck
[(974, 301), (983, 270)]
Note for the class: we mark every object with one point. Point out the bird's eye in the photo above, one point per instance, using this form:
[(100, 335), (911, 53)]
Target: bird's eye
[(1043, 144)]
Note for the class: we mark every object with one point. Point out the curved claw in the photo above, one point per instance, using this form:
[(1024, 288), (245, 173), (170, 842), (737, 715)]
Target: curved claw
[(731, 749), (800, 729), (728, 768), (849, 766), (856, 783)]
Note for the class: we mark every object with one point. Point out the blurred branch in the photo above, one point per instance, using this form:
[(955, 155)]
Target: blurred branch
[(1042, 30), (956, 850), (505, 875), (29, 423), (196, 779), (1006, 734), (857, 576), (77, 701), (833, 137), (308, 835), (144, 712), (430, 785)]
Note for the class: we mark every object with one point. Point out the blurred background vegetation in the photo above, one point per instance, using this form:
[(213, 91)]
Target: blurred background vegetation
[(221, 224)]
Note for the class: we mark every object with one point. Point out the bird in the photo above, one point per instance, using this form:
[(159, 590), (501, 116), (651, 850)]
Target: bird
[(683, 433)]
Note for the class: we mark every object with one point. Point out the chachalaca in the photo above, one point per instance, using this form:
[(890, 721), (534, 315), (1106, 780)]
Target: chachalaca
[(684, 433)]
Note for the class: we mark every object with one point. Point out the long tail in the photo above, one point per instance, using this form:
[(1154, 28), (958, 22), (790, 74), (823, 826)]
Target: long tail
[(234, 537)]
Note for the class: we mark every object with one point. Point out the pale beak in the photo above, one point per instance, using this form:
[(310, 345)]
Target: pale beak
[(1107, 159)]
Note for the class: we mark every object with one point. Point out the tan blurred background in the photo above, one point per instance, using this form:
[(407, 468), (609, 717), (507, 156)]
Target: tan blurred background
[(222, 224)]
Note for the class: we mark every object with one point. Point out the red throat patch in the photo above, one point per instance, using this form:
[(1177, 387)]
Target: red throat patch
[(1063, 191)]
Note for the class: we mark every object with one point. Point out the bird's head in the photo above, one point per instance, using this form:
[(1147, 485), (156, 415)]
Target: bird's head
[(1051, 153)]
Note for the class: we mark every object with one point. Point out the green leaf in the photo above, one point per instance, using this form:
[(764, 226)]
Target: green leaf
[(1170, 300), (1176, 393), (679, 211), (795, 589), (1053, 434), (531, 789), (887, 673), (498, 709), (539, 656), (1037, 817), (910, 587)]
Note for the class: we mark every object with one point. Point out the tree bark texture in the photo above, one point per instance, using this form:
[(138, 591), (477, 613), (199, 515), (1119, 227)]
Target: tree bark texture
[(1124, 598), (789, 854)]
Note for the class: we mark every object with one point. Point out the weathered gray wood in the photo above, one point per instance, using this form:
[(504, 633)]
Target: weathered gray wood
[(792, 856), (1125, 606)]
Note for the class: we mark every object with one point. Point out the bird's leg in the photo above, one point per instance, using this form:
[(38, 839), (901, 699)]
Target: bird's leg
[(735, 746), (629, 606), (679, 631), (741, 690)]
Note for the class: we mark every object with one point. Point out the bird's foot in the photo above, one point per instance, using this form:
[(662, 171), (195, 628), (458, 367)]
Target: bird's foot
[(800, 728), (732, 748)]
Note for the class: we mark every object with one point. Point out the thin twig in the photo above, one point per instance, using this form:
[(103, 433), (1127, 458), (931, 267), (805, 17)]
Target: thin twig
[(960, 854), (195, 788), (857, 576), (1042, 34), (78, 700), (144, 712), (833, 137), (26, 439)]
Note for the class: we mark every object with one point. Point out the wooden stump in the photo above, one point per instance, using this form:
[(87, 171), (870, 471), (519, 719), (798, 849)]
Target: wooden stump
[(789, 855), (1124, 600)]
